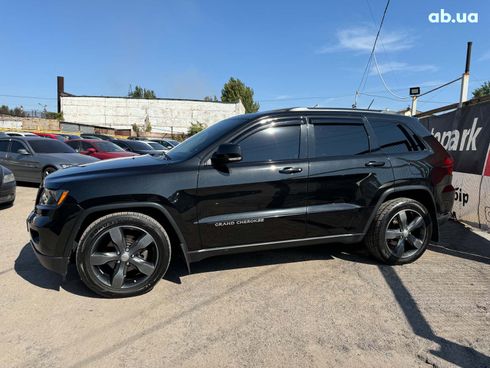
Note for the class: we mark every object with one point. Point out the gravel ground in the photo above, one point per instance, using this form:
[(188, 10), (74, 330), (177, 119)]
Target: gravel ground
[(314, 306)]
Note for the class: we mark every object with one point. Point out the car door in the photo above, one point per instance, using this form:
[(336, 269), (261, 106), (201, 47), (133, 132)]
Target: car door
[(262, 198), (4, 146), (24, 166), (345, 176)]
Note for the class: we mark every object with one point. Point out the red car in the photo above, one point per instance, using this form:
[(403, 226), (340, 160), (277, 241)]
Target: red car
[(98, 148), (52, 136)]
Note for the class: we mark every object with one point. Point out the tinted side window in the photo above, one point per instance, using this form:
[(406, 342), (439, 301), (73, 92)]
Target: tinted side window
[(74, 145), (338, 140), (4, 146), (392, 137), (16, 146), (272, 143), (86, 146)]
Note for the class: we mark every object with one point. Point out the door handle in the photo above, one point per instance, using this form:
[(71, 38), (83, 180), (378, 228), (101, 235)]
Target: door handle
[(375, 163), (290, 170)]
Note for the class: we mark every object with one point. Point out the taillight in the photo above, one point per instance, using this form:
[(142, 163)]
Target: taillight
[(448, 163)]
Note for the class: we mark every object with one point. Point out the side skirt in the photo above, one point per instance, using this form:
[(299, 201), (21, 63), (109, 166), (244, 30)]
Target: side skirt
[(198, 255)]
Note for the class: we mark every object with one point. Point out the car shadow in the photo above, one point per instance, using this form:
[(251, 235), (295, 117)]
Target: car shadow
[(6, 206), (28, 267), (458, 240), (27, 184)]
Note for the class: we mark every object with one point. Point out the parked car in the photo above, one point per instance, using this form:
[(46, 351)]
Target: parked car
[(7, 186), (58, 137), (96, 136), (20, 134), (69, 136), (156, 146), (257, 181), (98, 148), (33, 158), (138, 147), (167, 143)]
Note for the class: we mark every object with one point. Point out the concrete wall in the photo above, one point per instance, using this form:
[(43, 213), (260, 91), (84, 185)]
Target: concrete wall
[(163, 114), (8, 122)]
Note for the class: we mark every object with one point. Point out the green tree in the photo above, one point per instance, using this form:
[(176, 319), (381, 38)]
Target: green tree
[(484, 90), (142, 93), (211, 98), (235, 90), (136, 129), (195, 128)]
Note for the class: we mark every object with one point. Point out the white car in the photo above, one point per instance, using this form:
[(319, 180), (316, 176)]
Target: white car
[(20, 134)]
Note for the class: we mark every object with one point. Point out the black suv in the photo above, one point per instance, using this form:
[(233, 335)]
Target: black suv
[(257, 181)]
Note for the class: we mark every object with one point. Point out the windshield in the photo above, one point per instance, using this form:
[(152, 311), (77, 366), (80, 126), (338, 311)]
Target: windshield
[(204, 138), (156, 145), (49, 146), (107, 147), (138, 145)]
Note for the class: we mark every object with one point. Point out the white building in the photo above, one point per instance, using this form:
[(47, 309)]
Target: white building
[(165, 115)]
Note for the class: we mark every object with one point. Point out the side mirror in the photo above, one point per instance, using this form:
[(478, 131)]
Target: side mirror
[(91, 151), (227, 152), (22, 151)]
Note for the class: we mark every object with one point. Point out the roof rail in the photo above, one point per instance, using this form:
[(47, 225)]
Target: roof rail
[(333, 109)]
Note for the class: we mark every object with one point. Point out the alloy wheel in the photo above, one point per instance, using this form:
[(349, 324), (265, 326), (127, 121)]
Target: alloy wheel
[(124, 256), (406, 233)]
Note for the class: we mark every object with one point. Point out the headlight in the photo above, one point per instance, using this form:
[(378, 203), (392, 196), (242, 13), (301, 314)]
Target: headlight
[(52, 197), (64, 166), (8, 178)]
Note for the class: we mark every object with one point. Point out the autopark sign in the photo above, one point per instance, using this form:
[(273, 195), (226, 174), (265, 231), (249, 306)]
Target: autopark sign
[(465, 133)]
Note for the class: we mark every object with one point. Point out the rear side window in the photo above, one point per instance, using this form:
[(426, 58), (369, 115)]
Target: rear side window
[(4, 145), (331, 139), (272, 144), (394, 138)]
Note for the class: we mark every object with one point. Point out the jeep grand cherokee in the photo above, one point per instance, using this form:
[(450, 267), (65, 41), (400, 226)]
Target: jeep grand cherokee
[(257, 181)]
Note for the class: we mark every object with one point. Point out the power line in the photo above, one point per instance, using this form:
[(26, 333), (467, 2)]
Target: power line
[(384, 82), (364, 75), (30, 97)]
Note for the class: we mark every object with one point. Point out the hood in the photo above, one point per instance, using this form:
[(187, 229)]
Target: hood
[(134, 165)]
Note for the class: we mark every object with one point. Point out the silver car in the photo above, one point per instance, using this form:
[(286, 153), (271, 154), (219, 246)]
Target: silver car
[(32, 158)]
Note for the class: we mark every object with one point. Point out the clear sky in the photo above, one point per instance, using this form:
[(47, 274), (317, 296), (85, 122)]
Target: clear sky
[(292, 53)]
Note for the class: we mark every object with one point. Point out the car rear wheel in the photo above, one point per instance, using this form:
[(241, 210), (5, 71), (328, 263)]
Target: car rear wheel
[(123, 254), (400, 232)]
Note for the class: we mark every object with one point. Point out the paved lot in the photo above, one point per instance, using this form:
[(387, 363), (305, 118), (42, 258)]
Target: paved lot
[(314, 306)]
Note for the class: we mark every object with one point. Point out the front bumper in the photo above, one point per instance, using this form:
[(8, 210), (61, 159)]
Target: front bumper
[(52, 237), (56, 264), (7, 192)]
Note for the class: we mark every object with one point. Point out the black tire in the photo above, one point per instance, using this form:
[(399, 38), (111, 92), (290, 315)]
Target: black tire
[(394, 238), (102, 261), (47, 170)]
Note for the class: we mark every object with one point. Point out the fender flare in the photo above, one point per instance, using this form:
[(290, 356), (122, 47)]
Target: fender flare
[(127, 206), (386, 193)]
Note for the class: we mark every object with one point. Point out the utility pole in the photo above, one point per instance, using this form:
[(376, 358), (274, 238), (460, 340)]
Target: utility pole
[(414, 93), (413, 108), (465, 79), (61, 90)]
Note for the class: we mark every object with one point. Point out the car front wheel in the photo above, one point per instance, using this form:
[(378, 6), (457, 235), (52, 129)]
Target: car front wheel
[(400, 232), (123, 254)]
